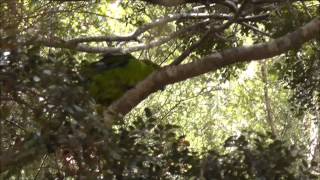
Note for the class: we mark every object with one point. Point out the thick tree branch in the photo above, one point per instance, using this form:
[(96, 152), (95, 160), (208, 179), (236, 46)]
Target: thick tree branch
[(173, 74)]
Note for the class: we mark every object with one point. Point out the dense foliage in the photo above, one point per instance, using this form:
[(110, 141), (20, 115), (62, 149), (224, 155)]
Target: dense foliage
[(257, 120)]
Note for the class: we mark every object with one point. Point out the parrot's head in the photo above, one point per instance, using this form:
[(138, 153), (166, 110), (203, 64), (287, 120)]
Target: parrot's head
[(118, 56), (111, 61)]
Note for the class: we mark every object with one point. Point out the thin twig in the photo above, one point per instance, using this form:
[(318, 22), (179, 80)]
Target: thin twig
[(15, 124), (255, 29), (41, 165)]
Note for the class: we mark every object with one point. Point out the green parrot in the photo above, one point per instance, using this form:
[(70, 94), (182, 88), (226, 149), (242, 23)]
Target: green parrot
[(109, 78)]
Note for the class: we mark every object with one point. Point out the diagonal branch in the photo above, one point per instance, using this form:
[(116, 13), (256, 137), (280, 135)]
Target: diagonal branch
[(174, 74), (255, 29), (202, 40)]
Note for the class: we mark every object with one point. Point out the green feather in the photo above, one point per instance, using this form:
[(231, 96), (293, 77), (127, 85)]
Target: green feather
[(112, 76)]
